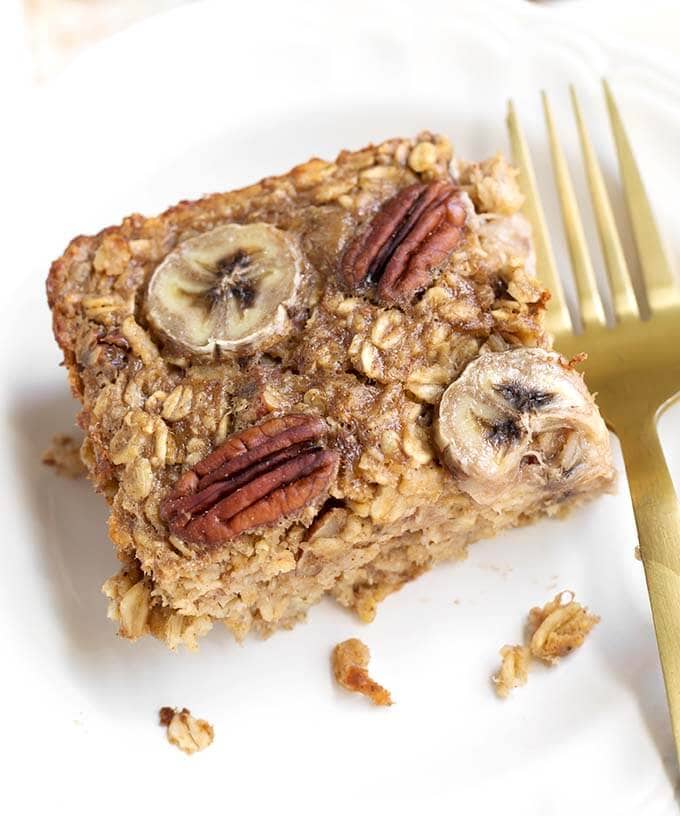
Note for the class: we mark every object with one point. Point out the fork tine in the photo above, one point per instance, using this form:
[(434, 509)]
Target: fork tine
[(623, 294), (592, 310), (662, 290), (558, 319)]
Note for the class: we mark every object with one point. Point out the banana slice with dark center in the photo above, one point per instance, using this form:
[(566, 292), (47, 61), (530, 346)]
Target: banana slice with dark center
[(522, 422), (228, 289)]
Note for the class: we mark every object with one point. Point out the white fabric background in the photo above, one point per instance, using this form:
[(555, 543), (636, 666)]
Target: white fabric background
[(653, 23)]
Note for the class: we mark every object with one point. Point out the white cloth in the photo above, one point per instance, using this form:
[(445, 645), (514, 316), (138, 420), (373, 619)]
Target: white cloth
[(653, 23)]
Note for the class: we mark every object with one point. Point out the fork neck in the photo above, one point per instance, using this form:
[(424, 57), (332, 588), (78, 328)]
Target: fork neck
[(657, 512)]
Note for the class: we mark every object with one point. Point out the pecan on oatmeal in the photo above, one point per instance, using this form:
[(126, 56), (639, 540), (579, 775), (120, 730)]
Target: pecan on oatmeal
[(63, 455), (186, 732), (256, 478), (350, 664), (559, 627), (413, 234)]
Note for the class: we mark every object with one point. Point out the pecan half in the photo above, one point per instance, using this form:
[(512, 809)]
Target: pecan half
[(413, 232), (256, 478)]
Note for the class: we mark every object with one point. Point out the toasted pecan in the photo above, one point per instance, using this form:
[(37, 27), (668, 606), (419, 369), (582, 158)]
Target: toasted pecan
[(256, 478), (414, 232)]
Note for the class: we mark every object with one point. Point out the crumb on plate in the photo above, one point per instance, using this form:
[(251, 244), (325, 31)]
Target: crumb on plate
[(186, 732), (553, 631), (350, 663), (513, 671), (63, 455), (559, 627)]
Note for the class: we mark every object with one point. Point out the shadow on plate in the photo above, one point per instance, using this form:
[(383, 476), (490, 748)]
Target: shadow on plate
[(69, 523)]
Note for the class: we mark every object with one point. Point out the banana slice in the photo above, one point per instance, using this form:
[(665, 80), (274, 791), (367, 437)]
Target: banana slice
[(520, 424), (226, 290)]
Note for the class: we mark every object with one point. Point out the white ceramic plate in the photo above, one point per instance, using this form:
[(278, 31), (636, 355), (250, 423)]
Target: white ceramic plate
[(214, 96)]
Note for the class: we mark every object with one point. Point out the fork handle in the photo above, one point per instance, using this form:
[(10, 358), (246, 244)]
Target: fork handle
[(657, 516)]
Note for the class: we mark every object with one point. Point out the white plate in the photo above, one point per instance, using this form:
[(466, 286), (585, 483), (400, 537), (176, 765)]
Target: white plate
[(211, 97)]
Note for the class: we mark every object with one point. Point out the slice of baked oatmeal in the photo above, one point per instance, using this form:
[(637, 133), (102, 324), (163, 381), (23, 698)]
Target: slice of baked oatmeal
[(323, 383)]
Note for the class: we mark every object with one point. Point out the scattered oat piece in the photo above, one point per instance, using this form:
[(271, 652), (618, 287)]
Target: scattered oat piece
[(553, 631), (184, 731), (637, 553), (350, 661), (559, 627), (63, 455), (513, 671)]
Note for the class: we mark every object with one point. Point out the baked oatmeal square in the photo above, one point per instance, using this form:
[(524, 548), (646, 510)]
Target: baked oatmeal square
[(324, 383)]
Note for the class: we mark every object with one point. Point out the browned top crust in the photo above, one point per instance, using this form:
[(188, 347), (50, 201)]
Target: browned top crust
[(100, 280)]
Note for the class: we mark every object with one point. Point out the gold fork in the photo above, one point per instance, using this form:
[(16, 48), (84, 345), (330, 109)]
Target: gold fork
[(633, 366)]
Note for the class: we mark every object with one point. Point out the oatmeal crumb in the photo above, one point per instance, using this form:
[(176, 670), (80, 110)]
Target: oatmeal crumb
[(63, 455), (559, 627), (553, 631), (637, 553), (350, 663), (577, 359), (513, 671), (186, 732)]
